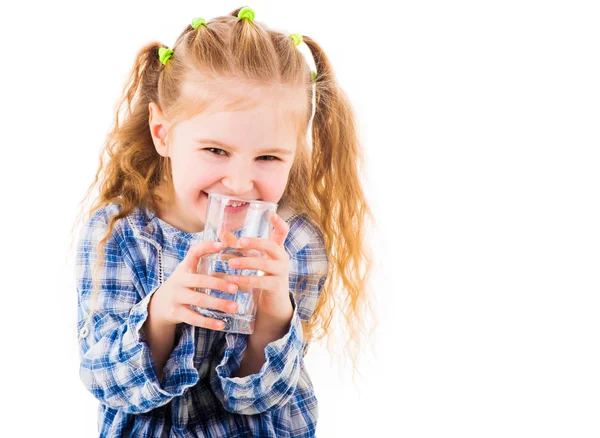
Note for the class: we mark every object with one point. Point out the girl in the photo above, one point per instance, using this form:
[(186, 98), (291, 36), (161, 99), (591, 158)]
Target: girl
[(227, 110)]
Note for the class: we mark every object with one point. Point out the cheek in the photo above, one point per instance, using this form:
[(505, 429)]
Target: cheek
[(273, 185), (191, 178)]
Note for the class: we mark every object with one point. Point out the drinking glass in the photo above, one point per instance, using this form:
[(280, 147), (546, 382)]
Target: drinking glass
[(228, 219)]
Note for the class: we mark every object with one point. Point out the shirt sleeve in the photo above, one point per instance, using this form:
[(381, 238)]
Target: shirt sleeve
[(116, 364), (275, 383)]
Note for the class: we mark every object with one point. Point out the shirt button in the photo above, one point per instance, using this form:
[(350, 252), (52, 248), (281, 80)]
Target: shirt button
[(84, 332)]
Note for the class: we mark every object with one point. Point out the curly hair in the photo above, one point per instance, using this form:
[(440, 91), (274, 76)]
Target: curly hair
[(324, 181)]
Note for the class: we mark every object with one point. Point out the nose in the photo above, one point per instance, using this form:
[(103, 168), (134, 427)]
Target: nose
[(238, 180)]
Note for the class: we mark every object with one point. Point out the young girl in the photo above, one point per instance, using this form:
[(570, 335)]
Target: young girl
[(227, 110)]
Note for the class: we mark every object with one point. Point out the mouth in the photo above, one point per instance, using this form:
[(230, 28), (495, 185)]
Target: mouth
[(236, 207), (235, 203)]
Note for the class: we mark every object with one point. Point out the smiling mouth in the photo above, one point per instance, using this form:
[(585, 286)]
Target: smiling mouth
[(241, 199), (238, 204)]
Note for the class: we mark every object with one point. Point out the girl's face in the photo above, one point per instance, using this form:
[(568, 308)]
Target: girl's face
[(246, 153)]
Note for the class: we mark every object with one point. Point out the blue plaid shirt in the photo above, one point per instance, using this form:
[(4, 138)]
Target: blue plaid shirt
[(197, 395)]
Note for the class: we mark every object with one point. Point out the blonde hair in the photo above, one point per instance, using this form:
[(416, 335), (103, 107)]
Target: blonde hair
[(324, 182)]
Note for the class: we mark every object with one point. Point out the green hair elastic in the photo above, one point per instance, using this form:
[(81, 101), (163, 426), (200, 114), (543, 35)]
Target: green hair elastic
[(296, 37), (313, 75), (246, 13), (197, 22), (164, 54)]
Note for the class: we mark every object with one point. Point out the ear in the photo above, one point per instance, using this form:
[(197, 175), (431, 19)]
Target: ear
[(158, 129)]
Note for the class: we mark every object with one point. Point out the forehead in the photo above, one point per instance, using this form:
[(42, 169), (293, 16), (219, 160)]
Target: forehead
[(248, 115), (204, 96)]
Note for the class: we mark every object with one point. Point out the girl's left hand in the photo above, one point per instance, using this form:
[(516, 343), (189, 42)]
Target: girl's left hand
[(275, 307)]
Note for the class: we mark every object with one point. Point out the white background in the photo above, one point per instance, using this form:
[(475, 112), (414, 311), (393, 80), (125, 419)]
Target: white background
[(480, 126)]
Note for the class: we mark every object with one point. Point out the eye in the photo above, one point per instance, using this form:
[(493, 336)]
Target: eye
[(268, 158), (212, 150)]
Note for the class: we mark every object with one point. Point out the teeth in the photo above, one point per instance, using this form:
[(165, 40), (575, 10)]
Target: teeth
[(237, 204)]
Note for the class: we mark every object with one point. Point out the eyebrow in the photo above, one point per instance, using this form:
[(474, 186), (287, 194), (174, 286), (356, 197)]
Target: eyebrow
[(264, 151)]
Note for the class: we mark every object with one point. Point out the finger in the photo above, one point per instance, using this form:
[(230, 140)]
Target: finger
[(269, 247), (273, 267), (192, 317), (263, 282), (227, 237), (208, 282), (280, 229), (190, 262), (188, 297)]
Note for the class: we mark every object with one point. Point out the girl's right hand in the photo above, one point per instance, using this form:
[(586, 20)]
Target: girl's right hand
[(170, 304)]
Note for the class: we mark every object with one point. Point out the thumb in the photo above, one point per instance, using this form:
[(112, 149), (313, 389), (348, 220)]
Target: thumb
[(190, 262)]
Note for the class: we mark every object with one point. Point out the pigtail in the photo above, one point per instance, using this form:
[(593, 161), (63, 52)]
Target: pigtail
[(131, 169), (336, 184), (206, 50), (251, 45)]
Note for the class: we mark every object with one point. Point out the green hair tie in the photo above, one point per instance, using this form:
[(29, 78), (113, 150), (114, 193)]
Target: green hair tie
[(246, 13), (297, 38), (313, 76), (164, 54), (197, 22)]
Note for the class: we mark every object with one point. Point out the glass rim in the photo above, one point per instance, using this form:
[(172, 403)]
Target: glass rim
[(236, 198)]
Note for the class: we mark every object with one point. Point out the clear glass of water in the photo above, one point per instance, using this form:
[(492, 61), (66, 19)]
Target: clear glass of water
[(228, 219)]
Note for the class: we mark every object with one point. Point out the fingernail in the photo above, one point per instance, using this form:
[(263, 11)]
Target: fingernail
[(232, 307), (243, 242), (232, 288), (234, 262)]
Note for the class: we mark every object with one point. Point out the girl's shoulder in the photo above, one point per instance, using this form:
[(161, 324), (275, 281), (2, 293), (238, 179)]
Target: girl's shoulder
[(305, 244), (303, 229), (102, 215), (136, 222)]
